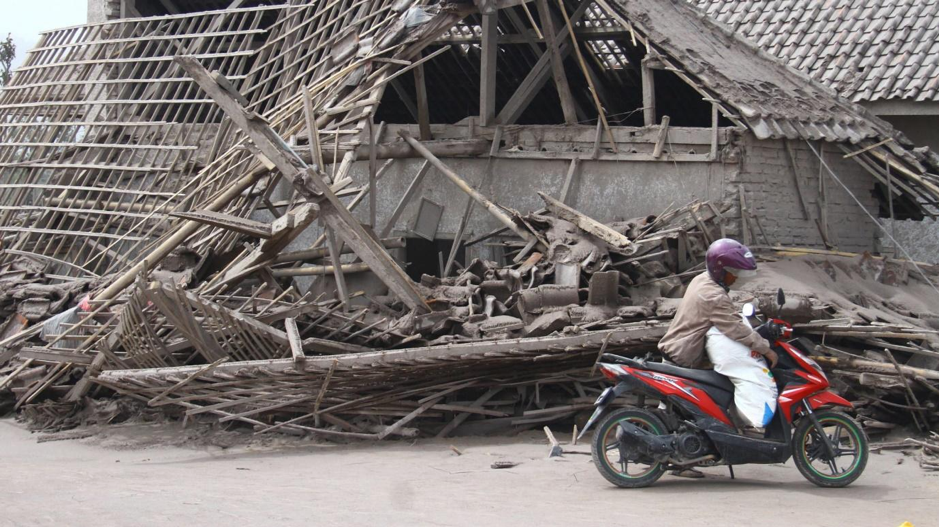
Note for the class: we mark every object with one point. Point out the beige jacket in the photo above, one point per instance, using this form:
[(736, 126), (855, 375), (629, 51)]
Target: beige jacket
[(705, 304)]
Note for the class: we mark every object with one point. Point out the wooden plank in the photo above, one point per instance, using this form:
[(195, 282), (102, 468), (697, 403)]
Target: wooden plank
[(557, 64), (568, 181), (160, 399), (257, 229), (493, 209), (408, 418), (794, 172), (583, 66), (544, 345), (663, 136), (335, 256), (310, 184), (609, 236), (293, 337), (49, 355)]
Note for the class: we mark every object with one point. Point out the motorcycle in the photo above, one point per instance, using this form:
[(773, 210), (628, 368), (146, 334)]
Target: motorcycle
[(693, 425)]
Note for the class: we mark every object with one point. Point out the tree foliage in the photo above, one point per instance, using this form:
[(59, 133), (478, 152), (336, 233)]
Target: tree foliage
[(7, 52)]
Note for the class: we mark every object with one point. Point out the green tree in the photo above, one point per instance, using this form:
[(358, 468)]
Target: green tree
[(7, 52)]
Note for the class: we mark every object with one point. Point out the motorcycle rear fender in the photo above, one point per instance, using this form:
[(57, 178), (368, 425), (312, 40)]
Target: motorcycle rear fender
[(827, 398), (626, 384)]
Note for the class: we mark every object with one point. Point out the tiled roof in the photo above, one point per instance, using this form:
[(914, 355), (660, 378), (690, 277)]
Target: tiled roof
[(866, 50)]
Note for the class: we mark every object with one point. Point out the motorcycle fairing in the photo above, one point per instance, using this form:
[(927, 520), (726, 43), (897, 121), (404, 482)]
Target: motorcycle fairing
[(693, 393)]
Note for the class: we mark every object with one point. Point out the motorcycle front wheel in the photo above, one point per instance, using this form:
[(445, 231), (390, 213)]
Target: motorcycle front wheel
[(813, 459), (616, 463)]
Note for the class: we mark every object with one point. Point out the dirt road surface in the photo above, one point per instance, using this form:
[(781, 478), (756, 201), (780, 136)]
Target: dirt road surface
[(135, 476)]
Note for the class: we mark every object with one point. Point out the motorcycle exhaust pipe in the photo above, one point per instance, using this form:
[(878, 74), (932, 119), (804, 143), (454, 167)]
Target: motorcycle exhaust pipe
[(644, 441)]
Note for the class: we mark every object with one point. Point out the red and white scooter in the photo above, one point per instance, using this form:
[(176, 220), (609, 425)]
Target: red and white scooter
[(633, 446)]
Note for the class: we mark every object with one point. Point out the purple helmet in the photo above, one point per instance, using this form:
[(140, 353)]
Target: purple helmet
[(730, 256)]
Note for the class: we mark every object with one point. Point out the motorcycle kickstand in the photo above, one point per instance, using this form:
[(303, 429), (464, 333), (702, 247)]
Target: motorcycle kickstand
[(731, 467)]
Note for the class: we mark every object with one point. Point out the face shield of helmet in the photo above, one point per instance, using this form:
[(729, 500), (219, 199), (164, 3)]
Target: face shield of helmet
[(741, 276)]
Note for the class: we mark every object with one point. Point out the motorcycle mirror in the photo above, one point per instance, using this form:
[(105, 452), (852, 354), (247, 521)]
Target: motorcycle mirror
[(748, 310), (780, 297)]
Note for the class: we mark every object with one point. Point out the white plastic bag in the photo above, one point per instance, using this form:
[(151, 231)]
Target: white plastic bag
[(754, 387)]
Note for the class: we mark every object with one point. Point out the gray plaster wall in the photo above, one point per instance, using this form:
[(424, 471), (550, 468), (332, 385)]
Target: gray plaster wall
[(605, 190), (610, 191), (771, 194), (919, 238)]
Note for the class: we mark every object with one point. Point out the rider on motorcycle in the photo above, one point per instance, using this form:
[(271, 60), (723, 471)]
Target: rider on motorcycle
[(707, 323)]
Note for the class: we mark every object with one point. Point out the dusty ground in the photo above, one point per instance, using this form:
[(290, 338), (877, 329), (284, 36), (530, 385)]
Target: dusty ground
[(129, 476)]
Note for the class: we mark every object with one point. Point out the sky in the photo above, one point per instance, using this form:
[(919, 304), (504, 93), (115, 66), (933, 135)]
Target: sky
[(25, 19)]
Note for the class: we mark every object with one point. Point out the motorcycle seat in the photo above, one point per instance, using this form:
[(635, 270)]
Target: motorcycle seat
[(709, 377)]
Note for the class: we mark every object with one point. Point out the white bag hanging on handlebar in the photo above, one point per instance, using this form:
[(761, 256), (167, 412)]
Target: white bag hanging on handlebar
[(754, 387)]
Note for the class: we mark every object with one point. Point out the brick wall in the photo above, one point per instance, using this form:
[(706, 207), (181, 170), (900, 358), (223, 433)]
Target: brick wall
[(765, 173)]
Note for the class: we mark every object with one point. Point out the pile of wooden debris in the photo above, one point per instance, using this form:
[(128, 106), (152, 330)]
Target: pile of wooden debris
[(186, 301)]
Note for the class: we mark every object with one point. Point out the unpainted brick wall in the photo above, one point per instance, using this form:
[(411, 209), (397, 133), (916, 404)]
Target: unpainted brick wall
[(766, 175)]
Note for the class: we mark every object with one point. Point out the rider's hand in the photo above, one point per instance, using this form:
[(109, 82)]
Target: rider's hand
[(771, 357)]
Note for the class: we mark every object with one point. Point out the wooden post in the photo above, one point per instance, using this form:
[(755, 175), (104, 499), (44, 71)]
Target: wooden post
[(372, 173), (648, 93), (423, 108), (557, 64), (715, 130), (487, 68)]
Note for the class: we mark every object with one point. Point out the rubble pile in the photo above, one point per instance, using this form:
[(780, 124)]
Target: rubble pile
[(137, 263)]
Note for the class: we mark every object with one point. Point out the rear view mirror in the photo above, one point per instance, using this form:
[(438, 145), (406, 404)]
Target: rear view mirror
[(748, 310), (780, 297)]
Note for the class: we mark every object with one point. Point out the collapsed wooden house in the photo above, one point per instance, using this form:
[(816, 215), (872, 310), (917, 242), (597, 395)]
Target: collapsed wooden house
[(186, 167)]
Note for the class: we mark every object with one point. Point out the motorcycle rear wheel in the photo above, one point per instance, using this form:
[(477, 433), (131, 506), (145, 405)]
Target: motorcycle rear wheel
[(605, 445), (811, 455)]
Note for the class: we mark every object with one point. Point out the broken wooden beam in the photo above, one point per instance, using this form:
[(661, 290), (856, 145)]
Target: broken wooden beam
[(309, 182), (493, 209), (589, 225)]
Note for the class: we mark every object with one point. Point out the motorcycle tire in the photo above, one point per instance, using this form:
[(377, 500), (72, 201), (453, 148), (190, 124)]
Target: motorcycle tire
[(807, 447), (607, 426)]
